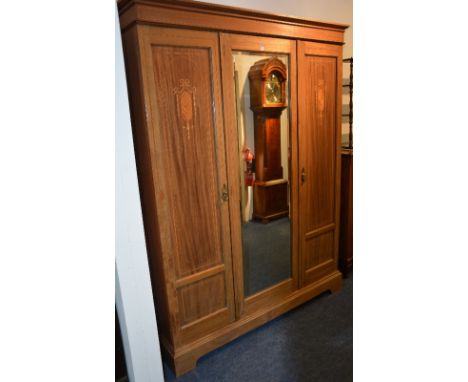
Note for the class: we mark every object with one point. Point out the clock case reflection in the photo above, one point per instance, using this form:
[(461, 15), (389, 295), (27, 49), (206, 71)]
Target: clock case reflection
[(267, 79)]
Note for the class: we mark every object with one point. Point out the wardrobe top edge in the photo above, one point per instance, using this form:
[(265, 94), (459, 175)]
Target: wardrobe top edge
[(208, 8)]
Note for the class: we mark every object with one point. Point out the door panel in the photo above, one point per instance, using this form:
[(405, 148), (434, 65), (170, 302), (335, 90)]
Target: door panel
[(320, 92), (319, 143), (319, 249), (182, 69), (183, 90), (194, 301)]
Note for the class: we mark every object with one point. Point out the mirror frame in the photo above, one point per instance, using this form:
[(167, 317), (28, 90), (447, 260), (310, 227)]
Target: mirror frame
[(261, 45)]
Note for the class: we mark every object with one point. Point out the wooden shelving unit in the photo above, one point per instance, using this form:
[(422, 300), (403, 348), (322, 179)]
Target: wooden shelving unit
[(346, 206), (350, 114)]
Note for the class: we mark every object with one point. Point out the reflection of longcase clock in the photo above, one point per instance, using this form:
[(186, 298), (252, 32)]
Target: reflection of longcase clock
[(267, 101)]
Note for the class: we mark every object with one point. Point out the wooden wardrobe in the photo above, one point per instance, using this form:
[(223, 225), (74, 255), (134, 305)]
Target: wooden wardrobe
[(186, 112)]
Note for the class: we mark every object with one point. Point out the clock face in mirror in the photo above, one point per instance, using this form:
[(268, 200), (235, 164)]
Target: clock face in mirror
[(273, 89)]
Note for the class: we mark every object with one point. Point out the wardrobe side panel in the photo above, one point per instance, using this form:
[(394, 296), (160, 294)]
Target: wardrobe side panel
[(141, 140)]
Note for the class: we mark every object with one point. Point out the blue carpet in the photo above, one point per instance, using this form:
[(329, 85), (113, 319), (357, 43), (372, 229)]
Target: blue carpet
[(267, 254), (313, 342)]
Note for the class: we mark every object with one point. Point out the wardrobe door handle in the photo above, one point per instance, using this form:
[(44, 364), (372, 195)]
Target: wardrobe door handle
[(225, 193), (303, 175)]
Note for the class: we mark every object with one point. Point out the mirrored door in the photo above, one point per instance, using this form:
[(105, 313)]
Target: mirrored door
[(263, 146), (258, 83)]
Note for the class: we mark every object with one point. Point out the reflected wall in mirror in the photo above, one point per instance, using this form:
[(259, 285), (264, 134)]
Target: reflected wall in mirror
[(261, 85)]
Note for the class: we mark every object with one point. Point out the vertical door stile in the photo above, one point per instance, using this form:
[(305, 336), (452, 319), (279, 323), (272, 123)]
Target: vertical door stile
[(225, 73)]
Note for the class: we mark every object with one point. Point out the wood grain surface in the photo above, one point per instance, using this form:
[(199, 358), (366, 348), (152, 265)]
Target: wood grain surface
[(208, 16), (319, 161), (184, 116), (178, 57)]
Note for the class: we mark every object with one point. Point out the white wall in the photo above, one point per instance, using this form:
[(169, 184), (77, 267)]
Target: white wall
[(134, 299)]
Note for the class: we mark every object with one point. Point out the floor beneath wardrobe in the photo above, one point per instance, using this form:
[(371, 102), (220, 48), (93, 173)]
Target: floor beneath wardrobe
[(313, 342)]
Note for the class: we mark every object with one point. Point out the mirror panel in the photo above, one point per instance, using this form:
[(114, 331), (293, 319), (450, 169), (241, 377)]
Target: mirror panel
[(264, 168)]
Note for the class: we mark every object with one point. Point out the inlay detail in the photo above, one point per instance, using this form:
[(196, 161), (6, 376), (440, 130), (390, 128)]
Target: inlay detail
[(320, 96), (186, 104)]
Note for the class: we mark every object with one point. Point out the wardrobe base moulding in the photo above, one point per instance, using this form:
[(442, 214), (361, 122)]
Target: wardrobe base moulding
[(185, 359)]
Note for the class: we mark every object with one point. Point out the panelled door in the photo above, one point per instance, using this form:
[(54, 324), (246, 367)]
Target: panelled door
[(319, 91), (183, 91)]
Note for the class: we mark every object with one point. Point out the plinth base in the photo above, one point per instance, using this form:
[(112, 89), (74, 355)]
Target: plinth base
[(184, 358)]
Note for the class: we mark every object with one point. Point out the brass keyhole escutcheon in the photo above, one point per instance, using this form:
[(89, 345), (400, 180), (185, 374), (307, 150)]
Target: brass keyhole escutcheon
[(225, 193), (303, 175)]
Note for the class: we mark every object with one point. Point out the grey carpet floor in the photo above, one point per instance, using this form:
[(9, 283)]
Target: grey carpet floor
[(313, 342), (267, 254)]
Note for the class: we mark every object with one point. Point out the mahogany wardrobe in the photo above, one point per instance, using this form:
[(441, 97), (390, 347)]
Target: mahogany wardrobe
[(233, 111)]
